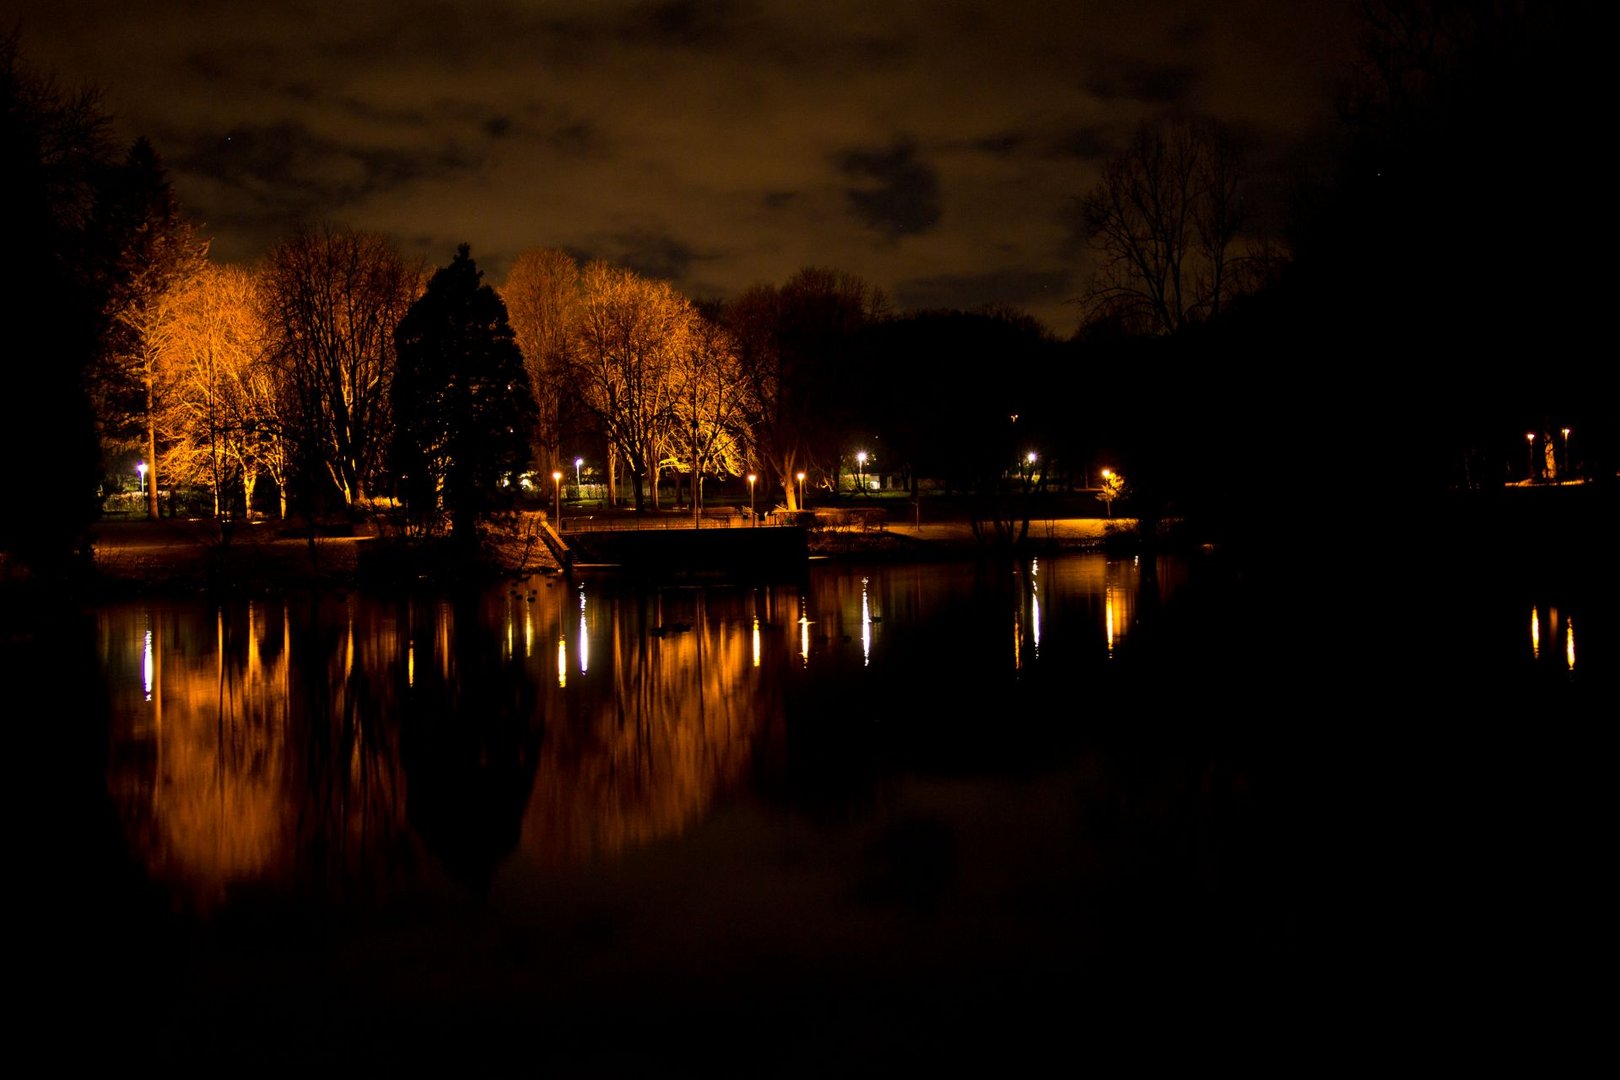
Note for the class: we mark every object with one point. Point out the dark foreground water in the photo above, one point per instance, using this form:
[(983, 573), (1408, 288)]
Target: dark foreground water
[(1053, 810)]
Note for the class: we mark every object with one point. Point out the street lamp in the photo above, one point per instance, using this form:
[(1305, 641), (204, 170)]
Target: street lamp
[(1529, 457), (801, 489), (860, 470), (577, 463), (752, 520), (556, 488), (140, 467), (1566, 452)]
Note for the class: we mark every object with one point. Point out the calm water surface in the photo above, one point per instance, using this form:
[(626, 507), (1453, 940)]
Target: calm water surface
[(898, 807)]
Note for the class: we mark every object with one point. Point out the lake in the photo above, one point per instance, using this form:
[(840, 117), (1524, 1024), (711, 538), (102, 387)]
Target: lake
[(880, 813)]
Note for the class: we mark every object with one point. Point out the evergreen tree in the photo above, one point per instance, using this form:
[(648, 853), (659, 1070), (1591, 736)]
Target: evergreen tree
[(463, 407), (53, 153)]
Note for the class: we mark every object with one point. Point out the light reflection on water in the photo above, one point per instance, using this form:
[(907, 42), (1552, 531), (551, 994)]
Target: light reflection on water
[(592, 800), (389, 735), (355, 746)]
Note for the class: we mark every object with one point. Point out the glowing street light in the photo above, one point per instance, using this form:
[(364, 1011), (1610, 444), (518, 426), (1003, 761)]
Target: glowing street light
[(140, 467), (577, 463), (1529, 457), (860, 470), (801, 488), (1566, 452), (752, 520), (556, 488)]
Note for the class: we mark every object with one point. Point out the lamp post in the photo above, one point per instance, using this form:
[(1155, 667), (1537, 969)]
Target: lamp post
[(1566, 452), (577, 463), (860, 470), (1529, 457), (752, 520), (140, 468), (800, 478), (556, 489)]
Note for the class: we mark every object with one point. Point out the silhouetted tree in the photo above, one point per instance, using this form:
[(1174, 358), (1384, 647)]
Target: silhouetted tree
[(463, 409), (333, 298), (798, 346), (1165, 220), (53, 154)]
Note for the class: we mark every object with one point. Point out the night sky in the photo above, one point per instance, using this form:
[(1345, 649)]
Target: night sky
[(936, 149)]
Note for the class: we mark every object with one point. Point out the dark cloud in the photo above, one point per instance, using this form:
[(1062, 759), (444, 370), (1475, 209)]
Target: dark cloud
[(1003, 145), (693, 24), (899, 193), (652, 254), (1023, 289), (1141, 81), (1086, 143), (284, 171)]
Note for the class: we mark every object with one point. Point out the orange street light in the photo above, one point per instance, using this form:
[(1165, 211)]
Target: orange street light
[(556, 487), (801, 489), (752, 520), (860, 471)]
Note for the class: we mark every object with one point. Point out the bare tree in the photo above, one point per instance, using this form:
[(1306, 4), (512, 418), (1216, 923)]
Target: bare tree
[(711, 406), (542, 295), (796, 346), (332, 300), (632, 334), (1166, 221)]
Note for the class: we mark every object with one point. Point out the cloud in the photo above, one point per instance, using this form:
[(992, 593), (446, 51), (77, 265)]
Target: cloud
[(899, 194), (650, 253), (1122, 79)]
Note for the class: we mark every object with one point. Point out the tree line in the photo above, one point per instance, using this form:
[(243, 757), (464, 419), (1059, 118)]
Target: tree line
[(290, 374)]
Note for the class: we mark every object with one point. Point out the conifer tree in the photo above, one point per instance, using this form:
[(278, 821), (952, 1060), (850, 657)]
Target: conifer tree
[(463, 407)]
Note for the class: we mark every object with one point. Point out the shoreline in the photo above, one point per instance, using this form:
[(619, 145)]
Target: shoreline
[(138, 557)]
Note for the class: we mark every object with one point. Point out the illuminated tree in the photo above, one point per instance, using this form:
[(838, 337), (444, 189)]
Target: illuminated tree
[(542, 301), (332, 300), (1165, 222), (632, 339), (215, 390), (152, 249), (462, 405), (710, 407)]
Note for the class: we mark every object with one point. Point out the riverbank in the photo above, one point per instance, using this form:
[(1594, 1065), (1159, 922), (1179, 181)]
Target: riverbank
[(137, 556)]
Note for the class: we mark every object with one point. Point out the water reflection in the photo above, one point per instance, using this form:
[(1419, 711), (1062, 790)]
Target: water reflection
[(354, 746), (1563, 642)]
